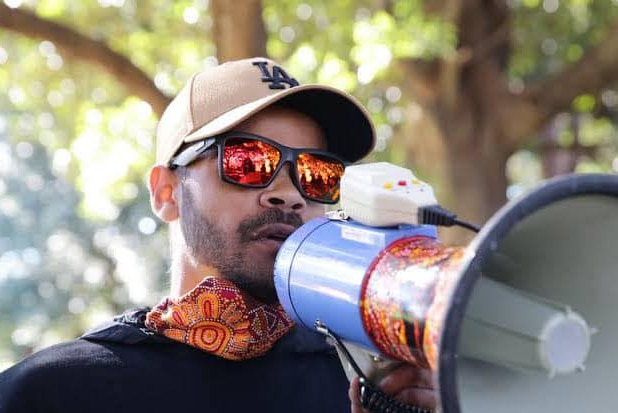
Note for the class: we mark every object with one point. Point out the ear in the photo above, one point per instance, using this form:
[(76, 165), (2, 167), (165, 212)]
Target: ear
[(162, 185)]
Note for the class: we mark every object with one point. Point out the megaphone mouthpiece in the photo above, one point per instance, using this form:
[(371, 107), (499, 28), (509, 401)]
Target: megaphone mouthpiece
[(519, 330)]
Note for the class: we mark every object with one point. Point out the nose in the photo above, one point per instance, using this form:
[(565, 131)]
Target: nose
[(282, 193)]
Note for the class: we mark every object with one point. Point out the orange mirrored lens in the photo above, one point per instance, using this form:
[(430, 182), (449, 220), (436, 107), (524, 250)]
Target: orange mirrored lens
[(249, 162), (319, 176)]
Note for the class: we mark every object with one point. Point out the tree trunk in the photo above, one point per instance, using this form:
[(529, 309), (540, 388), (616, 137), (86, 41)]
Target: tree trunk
[(464, 95), (477, 179), (480, 122), (238, 29)]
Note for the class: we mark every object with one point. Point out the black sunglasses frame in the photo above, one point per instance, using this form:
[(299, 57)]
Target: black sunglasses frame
[(288, 155)]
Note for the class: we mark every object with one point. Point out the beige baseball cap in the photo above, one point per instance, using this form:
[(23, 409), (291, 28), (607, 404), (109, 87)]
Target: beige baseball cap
[(217, 99)]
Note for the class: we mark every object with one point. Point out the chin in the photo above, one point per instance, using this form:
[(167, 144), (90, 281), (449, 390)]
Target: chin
[(258, 280), (258, 264)]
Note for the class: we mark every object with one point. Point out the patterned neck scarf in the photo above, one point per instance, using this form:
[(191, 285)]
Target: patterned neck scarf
[(218, 317)]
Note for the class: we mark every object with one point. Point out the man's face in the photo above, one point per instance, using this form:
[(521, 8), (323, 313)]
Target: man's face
[(238, 231)]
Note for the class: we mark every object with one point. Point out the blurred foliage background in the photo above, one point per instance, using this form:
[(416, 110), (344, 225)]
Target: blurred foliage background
[(483, 99)]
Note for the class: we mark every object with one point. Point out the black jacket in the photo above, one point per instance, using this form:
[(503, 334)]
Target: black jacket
[(122, 367)]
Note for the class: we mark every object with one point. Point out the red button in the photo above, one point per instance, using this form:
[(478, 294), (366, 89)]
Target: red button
[(402, 183)]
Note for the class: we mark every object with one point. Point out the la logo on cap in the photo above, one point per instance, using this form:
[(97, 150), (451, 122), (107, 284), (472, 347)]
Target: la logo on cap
[(277, 78)]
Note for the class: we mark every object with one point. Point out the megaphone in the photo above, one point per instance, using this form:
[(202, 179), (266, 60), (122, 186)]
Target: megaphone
[(523, 319)]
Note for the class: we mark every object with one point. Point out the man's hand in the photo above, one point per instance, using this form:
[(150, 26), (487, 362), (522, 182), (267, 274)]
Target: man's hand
[(407, 384)]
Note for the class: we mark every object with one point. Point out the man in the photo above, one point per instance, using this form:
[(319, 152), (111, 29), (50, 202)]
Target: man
[(245, 155)]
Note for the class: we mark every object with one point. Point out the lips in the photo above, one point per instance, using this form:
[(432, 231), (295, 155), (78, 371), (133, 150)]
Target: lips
[(272, 232)]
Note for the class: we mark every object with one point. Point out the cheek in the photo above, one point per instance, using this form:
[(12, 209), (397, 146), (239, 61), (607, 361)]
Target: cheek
[(313, 210), (227, 205)]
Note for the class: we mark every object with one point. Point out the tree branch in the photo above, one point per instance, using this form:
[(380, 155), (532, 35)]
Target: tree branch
[(77, 45), (598, 68)]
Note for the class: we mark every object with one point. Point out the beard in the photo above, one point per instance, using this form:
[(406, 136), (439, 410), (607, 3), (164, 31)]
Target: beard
[(210, 245)]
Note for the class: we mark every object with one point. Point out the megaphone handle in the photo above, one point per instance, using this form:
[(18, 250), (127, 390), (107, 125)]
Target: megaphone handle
[(371, 398)]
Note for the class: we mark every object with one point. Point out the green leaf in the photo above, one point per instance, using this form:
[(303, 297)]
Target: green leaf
[(51, 8), (584, 103)]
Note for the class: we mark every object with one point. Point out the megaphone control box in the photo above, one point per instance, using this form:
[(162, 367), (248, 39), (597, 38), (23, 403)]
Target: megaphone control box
[(382, 194)]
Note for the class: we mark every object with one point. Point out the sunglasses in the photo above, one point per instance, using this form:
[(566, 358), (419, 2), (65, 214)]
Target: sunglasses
[(252, 161)]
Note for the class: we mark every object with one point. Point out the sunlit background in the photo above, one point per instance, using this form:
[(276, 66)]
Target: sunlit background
[(78, 242)]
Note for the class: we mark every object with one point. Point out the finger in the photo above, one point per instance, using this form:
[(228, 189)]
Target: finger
[(423, 398), (406, 376), (353, 393)]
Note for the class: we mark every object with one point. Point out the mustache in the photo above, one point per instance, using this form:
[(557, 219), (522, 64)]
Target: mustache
[(270, 216)]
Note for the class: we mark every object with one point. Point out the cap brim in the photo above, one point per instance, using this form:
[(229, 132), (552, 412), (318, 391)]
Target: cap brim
[(346, 124)]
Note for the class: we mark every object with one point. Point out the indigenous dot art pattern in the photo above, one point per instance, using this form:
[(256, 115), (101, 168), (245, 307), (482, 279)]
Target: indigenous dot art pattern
[(219, 318), (405, 296)]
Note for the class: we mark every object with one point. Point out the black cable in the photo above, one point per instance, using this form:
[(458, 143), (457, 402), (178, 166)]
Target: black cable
[(436, 215), (467, 225), (371, 398)]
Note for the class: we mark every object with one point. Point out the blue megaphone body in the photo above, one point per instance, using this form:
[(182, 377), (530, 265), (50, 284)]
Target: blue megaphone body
[(320, 269)]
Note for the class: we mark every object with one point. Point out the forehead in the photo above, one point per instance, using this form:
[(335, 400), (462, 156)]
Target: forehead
[(286, 126)]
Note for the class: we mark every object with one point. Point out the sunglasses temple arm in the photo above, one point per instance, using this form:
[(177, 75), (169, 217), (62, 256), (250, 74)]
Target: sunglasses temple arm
[(185, 157)]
